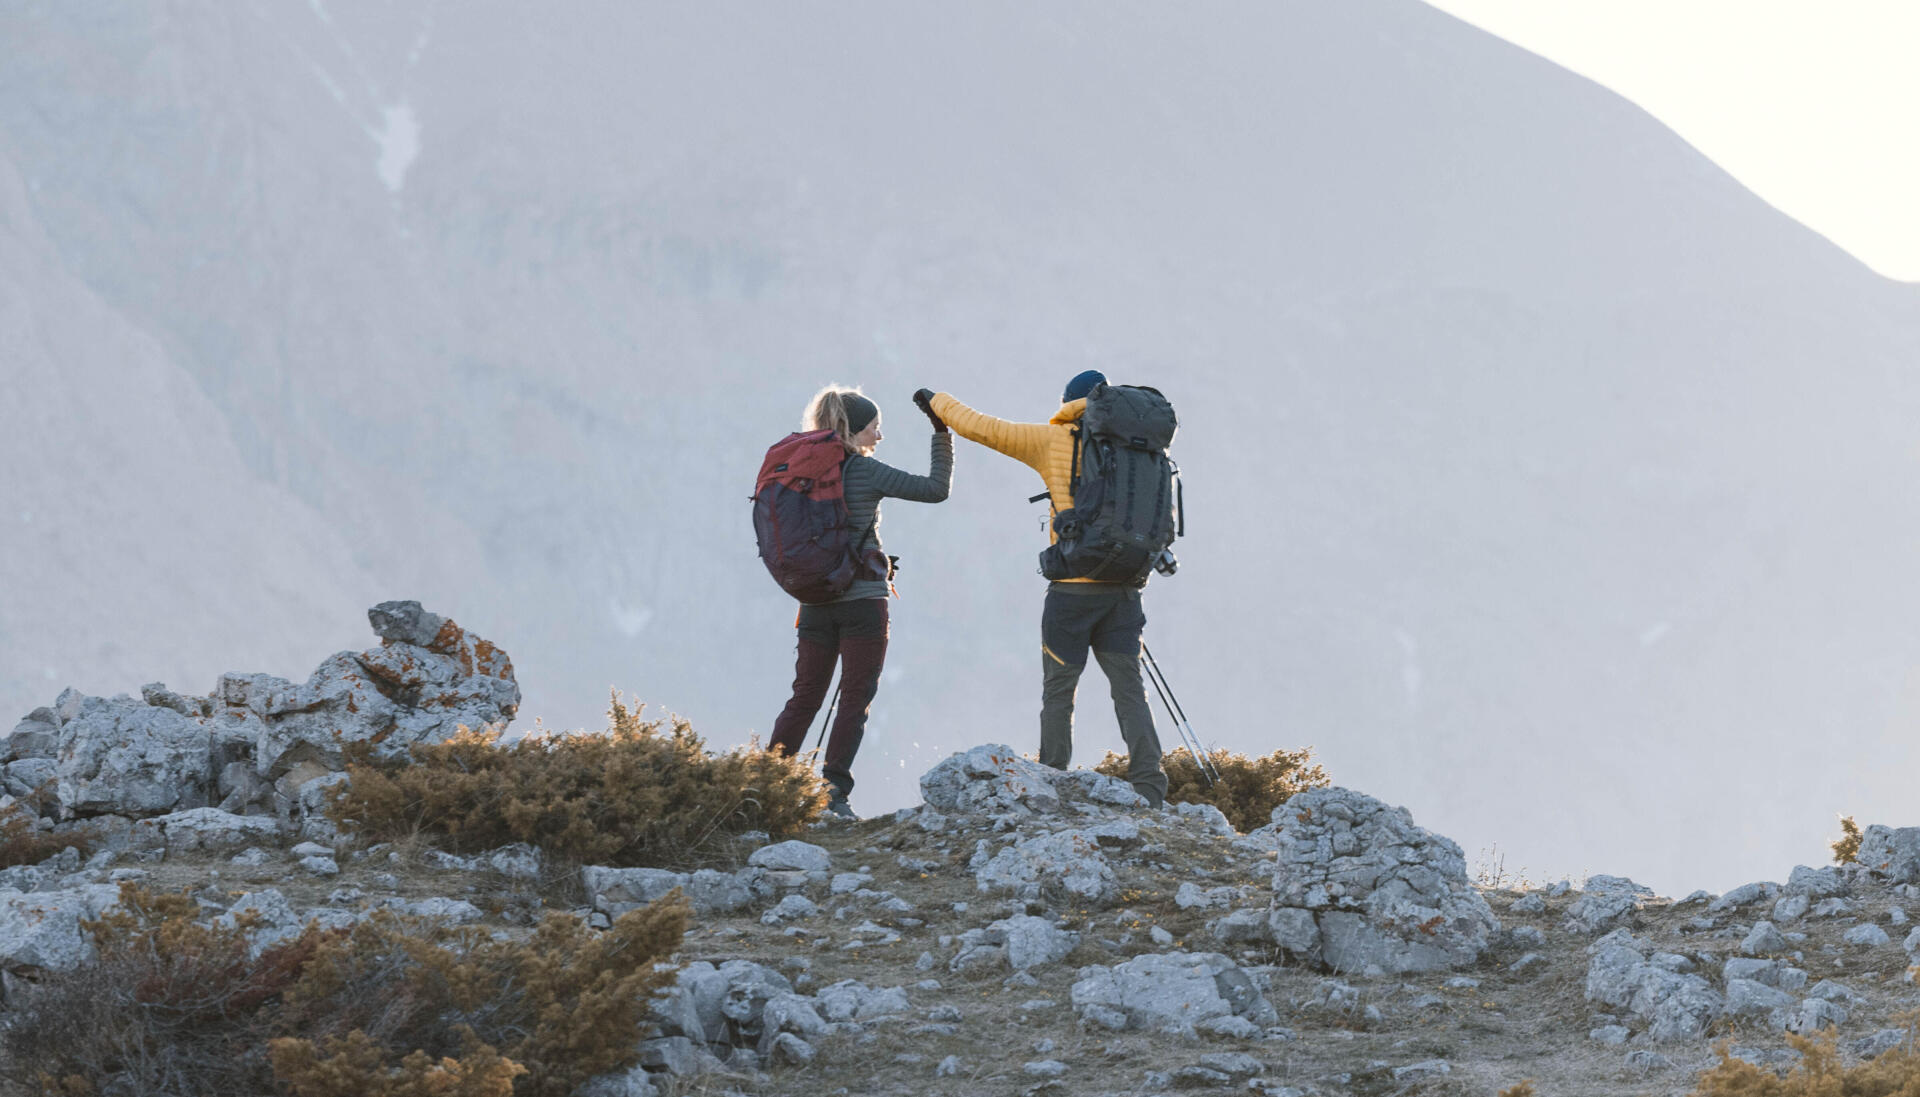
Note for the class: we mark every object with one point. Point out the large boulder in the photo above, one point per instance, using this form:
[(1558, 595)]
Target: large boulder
[(122, 756), (262, 744), (1359, 886), (1891, 853), (990, 780), (1627, 973), (41, 931)]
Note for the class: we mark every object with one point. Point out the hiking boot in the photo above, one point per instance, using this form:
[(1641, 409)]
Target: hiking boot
[(837, 807)]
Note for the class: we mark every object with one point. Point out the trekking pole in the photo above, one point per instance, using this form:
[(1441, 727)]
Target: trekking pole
[(1179, 715), (828, 722)]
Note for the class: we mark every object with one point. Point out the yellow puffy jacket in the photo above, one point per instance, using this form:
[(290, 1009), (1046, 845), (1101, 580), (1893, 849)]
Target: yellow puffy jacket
[(1046, 447)]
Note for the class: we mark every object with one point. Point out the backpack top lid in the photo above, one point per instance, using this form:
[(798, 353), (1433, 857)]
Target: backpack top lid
[(1132, 415), (813, 457)]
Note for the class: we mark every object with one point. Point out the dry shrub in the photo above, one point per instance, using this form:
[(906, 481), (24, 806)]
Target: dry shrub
[(1249, 788), (1847, 849), (23, 843), (1519, 1089), (641, 794), (1819, 1072), (391, 1007)]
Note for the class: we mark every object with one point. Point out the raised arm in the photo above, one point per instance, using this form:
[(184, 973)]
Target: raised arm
[(896, 483), (1024, 442)]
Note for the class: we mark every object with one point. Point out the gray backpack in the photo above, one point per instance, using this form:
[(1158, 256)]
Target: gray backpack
[(1126, 491)]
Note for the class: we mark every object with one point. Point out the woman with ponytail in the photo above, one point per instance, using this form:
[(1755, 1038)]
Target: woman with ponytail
[(852, 628)]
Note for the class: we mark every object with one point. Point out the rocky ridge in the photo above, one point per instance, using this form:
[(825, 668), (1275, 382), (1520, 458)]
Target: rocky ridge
[(1028, 931)]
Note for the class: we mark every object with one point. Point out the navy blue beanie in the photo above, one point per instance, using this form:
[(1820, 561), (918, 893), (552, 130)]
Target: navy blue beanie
[(1082, 384)]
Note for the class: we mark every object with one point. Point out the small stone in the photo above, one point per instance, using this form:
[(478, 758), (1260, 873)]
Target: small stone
[(788, 909), (1200, 1078), (1160, 936), (1531, 903), (1867, 935), (1648, 1061), (1230, 1027), (1045, 1068), (1763, 939), (1430, 1068), (789, 1048), (948, 1068), (312, 849), (320, 866), (1879, 1043), (1527, 962), (1610, 1035)]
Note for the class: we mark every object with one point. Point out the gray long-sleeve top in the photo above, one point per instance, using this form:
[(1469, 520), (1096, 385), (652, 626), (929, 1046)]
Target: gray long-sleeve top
[(867, 481)]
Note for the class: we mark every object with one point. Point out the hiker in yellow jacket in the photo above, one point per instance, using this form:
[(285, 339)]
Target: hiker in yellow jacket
[(1080, 614)]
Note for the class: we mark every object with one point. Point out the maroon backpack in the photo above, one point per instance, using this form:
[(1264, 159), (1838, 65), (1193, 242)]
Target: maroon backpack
[(800, 518)]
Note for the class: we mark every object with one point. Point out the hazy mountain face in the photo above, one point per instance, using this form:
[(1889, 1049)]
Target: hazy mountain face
[(1541, 477)]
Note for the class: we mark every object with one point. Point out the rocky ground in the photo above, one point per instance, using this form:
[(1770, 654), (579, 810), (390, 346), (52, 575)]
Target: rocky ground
[(1021, 932), (1031, 938)]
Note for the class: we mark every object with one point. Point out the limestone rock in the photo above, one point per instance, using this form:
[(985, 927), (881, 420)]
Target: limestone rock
[(794, 856), (260, 743), (1763, 940), (1025, 941), (1169, 992), (37, 736), (614, 891), (204, 829), (990, 780), (1380, 890), (1866, 936), (1677, 1006), (126, 757), (1816, 883), (1605, 901), (1069, 861), (1208, 816), (41, 931), (1099, 788), (1891, 853), (1745, 894)]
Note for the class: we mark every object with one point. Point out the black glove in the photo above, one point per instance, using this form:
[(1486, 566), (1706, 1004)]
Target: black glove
[(924, 401)]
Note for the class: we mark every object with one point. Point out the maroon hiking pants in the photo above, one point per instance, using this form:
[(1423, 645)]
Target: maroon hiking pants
[(854, 633)]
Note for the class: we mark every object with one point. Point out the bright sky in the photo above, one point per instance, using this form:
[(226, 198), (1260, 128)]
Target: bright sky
[(1813, 104)]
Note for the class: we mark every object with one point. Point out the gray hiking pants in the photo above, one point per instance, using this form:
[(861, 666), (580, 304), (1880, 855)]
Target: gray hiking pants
[(1106, 618)]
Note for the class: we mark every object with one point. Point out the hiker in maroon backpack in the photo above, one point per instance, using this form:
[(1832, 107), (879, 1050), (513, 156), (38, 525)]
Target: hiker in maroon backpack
[(816, 514)]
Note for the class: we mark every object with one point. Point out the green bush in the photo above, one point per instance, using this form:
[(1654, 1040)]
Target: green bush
[(641, 794), (391, 1007), (1248, 790)]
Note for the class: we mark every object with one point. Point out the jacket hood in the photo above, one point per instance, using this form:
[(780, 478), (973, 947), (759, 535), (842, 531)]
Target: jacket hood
[(1070, 412)]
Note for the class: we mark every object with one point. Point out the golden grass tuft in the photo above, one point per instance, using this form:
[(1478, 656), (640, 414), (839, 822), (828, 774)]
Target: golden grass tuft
[(1819, 1072), (1249, 788), (643, 793), (391, 1007)]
